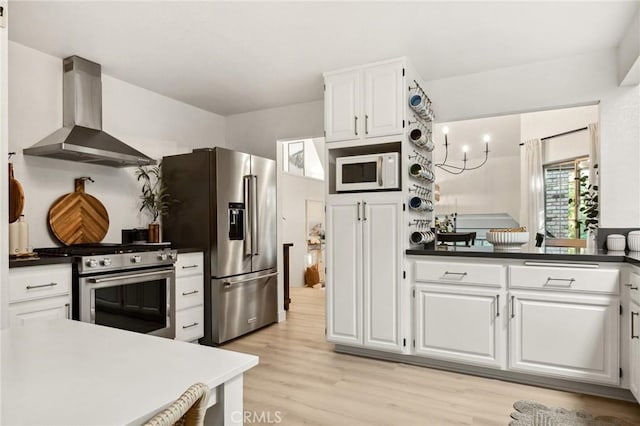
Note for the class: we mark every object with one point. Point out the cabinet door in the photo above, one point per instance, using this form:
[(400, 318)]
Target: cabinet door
[(383, 100), (564, 335), (342, 119), (461, 324), (344, 273), (35, 311), (634, 350), (381, 256)]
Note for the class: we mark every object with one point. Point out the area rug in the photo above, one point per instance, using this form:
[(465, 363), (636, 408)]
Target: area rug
[(530, 413)]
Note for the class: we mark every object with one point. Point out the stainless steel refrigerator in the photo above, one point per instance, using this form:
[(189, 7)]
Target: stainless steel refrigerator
[(225, 205)]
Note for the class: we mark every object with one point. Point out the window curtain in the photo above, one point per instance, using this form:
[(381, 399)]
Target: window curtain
[(532, 187), (594, 152)]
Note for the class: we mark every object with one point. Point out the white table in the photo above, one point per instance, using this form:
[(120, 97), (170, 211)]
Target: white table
[(72, 373)]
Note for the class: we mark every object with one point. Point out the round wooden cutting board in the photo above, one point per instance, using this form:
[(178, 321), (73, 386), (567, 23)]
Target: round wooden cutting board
[(78, 218), (16, 197)]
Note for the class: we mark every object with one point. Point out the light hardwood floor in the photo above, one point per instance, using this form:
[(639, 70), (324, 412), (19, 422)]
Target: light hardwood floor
[(300, 380)]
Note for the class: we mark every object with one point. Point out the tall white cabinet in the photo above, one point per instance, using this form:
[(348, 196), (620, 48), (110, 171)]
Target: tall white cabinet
[(367, 112), (364, 271)]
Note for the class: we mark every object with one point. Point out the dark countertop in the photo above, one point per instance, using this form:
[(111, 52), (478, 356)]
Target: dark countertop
[(533, 253), (39, 261), (189, 250)]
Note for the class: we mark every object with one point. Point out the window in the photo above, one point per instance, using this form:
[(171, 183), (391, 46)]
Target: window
[(564, 183)]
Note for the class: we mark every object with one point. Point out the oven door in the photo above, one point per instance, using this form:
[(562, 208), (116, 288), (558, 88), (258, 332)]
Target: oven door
[(139, 301)]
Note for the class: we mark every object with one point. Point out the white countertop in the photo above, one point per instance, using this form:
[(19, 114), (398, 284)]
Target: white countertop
[(73, 373)]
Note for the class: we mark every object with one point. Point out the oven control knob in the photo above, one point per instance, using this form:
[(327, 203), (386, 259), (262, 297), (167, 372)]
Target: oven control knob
[(173, 256), (162, 256), (136, 259), (106, 262), (92, 263)]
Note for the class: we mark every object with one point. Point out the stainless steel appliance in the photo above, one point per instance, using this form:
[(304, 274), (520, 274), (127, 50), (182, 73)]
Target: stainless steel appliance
[(368, 172), (81, 137), (226, 206), (126, 286)]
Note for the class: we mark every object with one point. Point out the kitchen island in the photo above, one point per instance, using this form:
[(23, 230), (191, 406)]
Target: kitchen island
[(75, 373)]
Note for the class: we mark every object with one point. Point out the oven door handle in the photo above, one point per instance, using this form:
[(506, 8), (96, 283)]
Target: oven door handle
[(125, 277)]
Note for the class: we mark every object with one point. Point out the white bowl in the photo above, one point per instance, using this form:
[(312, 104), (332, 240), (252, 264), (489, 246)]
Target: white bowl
[(616, 242), (633, 239), (507, 240)]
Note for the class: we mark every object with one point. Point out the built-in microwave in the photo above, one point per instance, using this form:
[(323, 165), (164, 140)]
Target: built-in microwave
[(368, 172)]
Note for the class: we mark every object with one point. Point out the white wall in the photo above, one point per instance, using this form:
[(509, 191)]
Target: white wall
[(257, 132), (583, 79), (295, 191), (154, 124), (629, 53), (4, 200), (542, 124)]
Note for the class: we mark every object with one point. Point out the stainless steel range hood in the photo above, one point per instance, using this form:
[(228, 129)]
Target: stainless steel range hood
[(81, 138)]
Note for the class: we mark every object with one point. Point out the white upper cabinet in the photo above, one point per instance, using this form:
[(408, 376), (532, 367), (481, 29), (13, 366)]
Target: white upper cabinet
[(383, 106), (342, 106), (367, 102)]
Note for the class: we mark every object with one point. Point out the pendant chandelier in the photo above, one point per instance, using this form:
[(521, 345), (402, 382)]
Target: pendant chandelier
[(456, 170)]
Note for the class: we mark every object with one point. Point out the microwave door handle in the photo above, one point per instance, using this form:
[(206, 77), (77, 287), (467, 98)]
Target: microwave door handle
[(380, 171), (255, 231), (247, 227)]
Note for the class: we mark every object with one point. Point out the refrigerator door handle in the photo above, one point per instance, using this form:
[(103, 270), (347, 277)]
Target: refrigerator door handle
[(230, 283), (248, 231), (255, 231)]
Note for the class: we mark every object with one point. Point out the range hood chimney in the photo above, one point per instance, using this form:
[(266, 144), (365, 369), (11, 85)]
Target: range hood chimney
[(81, 138)]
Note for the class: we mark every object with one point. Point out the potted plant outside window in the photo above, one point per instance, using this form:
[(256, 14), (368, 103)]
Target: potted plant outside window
[(154, 199)]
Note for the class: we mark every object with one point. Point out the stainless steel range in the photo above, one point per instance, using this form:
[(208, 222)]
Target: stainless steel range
[(126, 286)]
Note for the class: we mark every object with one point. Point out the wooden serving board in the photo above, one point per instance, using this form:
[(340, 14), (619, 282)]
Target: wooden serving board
[(16, 197), (78, 218)]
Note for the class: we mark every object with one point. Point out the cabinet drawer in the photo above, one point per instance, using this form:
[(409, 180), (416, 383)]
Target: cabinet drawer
[(190, 324), (35, 282), (189, 291), (460, 273), (565, 279), (189, 264)]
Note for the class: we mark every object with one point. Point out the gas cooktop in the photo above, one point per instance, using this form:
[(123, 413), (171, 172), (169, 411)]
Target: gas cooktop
[(100, 249)]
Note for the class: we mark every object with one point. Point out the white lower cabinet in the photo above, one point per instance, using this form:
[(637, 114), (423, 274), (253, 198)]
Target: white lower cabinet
[(634, 349), (34, 311), (461, 324), (364, 271), (571, 336), (39, 293), (189, 297)]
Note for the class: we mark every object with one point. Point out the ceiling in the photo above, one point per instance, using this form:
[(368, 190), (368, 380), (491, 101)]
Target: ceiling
[(232, 57)]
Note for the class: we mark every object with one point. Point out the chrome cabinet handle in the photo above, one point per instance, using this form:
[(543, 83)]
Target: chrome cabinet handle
[(355, 124), (366, 124), (459, 274), (631, 287), (358, 210), (31, 287), (190, 325), (567, 280), (68, 306), (497, 305), (364, 210), (380, 171), (190, 267), (513, 308), (633, 336), (190, 292)]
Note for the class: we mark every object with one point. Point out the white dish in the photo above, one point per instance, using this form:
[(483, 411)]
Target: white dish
[(505, 241), (616, 242), (633, 239)]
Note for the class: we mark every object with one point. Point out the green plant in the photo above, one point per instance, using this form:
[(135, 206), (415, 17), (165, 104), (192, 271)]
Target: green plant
[(155, 198), (589, 205)]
